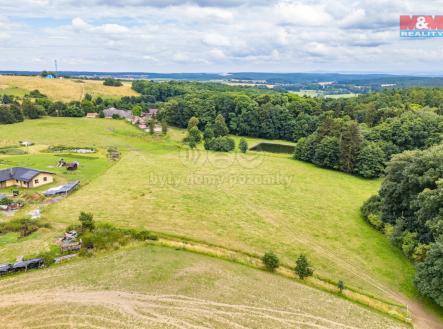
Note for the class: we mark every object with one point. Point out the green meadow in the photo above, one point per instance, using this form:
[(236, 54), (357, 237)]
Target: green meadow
[(251, 203), (155, 287)]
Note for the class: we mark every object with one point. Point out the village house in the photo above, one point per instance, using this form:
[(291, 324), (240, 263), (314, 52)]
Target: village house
[(24, 177), (152, 113), (92, 115), (112, 111)]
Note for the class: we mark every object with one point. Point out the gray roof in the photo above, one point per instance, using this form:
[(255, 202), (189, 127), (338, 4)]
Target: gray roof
[(19, 173), (121, 113), (62, 189)]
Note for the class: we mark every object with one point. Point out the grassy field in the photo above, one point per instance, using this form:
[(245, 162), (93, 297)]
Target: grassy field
[(154, 287), (315, 93), (253, 204), (63, 90), (258, 203)]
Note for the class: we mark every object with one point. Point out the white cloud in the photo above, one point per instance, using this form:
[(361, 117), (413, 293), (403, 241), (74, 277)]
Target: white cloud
[(112, 28), (204, 13), (302, 14), (80, 24), (215, 39), (212, 35), (217, 54)]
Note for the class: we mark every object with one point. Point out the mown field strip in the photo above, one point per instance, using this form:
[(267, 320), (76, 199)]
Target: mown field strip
[(390, 308)]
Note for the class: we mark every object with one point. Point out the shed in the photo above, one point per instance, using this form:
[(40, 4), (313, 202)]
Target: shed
[(63, 189)]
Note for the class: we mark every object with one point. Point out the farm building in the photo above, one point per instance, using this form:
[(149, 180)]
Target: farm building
[(92, 115), (152, 113), (63, 189), (24, 177), (112, 111)]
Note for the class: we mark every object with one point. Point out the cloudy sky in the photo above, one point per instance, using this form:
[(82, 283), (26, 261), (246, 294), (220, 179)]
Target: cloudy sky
[(215, 36)]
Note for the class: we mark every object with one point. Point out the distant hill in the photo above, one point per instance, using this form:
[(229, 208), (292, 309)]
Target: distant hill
[(329, 83)]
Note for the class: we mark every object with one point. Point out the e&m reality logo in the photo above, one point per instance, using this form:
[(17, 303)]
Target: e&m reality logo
[(421, 26)]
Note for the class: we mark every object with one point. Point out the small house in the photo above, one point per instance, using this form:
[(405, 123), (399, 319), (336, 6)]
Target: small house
[(112, 111), (25, 177), (92, 115), (152, 113)]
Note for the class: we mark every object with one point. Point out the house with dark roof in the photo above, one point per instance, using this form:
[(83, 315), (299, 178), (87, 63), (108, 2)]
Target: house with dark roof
[(24, 177)]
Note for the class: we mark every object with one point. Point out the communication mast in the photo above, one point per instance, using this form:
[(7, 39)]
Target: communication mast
[(56, 68)]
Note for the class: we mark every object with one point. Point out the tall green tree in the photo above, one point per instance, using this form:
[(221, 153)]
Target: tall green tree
[(243, 145), (350, 144), (429, 275), (302, 268), (220, 127)]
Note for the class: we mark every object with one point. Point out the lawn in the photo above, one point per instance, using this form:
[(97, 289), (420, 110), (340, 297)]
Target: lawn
[(62, 90), (252, 203), (91, 166), (154, 287)]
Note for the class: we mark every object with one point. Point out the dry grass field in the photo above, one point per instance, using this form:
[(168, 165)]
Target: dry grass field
[(62, 90), (155, 287)]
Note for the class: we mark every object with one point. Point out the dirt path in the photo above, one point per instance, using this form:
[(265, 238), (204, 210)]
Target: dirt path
[(421, 318), (135, 310)]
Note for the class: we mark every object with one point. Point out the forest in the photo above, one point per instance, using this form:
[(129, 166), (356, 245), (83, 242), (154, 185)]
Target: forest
[(355, 135)]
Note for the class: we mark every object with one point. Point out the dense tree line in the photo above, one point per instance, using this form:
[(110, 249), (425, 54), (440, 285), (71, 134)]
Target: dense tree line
[(35, 105), (409, 209), (112, 82), (356, 135)]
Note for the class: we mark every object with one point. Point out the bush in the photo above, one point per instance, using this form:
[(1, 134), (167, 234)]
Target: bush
[(142, 235), (105, 236), (375, 221), (112, 82), (87, 221), (222, 144), (48, 256), (305, 148), (6, 201), (243, 145), (303, 268), (327, 153), (25, 226), (271, 261), (371, 161)]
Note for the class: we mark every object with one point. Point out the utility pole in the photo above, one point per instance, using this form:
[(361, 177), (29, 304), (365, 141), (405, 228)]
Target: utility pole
[(56, 68)]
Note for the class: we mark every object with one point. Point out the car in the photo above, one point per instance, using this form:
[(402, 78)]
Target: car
[(27, 264), (5, 269)]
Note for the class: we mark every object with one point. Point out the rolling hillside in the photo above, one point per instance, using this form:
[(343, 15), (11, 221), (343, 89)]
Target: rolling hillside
[(249, 204), (152, 287)]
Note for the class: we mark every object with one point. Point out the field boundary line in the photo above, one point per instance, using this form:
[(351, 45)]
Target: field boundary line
[(391, 309)]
